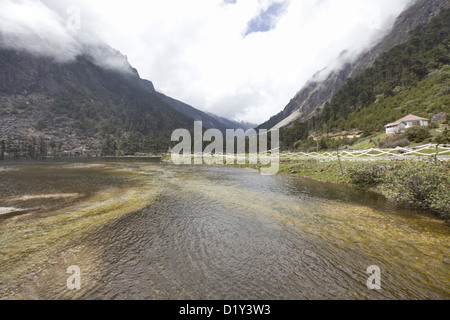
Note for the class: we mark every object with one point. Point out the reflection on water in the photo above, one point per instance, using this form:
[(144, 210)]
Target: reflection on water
[(145, 230)]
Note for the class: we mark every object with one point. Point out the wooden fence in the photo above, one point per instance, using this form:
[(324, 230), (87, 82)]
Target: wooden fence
[(429, 150)]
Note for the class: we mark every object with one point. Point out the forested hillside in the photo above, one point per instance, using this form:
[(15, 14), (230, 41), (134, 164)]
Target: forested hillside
[(411, 78), (51, 108), (324, 85)]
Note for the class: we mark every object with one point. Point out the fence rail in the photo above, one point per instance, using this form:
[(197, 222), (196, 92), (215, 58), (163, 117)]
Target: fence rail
[(428, 150)]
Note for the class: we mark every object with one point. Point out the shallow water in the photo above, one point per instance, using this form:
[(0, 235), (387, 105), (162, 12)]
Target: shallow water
[(145, 230)]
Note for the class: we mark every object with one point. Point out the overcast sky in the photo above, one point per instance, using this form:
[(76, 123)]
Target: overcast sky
[(242, 59)]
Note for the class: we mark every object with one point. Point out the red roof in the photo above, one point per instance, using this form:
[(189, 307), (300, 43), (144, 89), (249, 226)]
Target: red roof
[(408, 118)]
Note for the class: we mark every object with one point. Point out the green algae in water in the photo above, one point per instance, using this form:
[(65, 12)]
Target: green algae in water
[(28, 242)]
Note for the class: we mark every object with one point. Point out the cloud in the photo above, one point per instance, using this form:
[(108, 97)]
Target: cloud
[(241, 59), (32, 26)]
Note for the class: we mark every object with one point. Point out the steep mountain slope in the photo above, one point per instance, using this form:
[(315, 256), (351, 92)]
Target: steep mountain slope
[(209, 122), (319, 91), (78, 107), (411, 78)]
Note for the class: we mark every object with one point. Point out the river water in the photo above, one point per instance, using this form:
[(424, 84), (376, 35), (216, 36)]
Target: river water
[(140, 229)]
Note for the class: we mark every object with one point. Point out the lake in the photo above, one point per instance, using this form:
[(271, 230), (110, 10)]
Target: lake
[(142, 229)]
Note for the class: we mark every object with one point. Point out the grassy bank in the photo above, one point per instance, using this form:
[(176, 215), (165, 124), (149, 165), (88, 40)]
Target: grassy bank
[(417, 184)]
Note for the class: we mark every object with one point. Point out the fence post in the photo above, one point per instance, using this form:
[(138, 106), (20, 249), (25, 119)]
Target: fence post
[(339, 159), (437, 153)]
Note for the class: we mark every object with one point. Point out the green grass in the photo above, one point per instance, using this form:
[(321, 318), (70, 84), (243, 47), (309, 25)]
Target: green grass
[(314, 169), (369, 142)]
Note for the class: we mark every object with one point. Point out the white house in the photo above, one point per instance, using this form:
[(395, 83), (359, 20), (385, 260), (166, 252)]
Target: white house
[(405, 123)]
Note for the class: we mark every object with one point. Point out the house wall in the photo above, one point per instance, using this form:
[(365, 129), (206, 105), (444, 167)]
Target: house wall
[(395, 129), (405, 125), (422, 123), (409, 124), (391, 130)]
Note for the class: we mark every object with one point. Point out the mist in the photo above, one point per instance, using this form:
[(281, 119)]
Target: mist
[(39, 29), (243, 60)]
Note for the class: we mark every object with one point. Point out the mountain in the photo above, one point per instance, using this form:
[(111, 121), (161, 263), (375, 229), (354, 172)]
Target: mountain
[(210, 121), (231, 124), (325, 84), (410, 78), (83, 106)]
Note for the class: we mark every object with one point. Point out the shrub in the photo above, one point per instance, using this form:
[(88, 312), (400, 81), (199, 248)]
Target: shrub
[(41, 125), (443, 138), (23, 106), (417, 134), (366, 174), (420, 185), (323, 144), (398, 140), (433, 125)]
